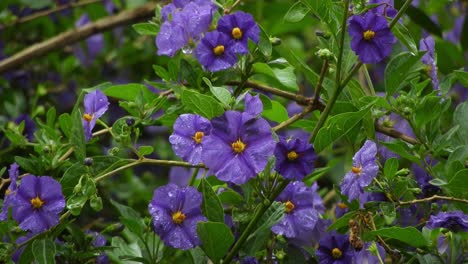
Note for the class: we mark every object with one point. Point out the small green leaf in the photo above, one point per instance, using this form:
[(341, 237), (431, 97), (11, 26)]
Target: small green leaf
[(429, 104), (296, 13), (161, 72), (401, 148), (408, 235), (146, 29), (145, 150), (211, 205), (201, 104), (216, 239), (264, 44), (231, 197), (399, 70), (44, 251), (77, 138), (277, 112), (459, 183), (131, 218), (282, 77), (342, 221), (404, 36), (65, 123), (130, 92), (391, 167)]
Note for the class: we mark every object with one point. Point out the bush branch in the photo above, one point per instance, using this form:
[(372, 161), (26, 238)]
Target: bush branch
[(435, 197)]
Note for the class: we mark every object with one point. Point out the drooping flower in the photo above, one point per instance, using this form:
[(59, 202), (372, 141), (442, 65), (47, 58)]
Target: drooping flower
[(239, 27), (372, 40), (38, 203), (294, 158), (455, 221), (176, 212), (253, 104), (186, 140), (99, 241), (335, 249), (185, 28), (215, 52), (10, 193), (94, 44), (238, 147), (364, 170), (386, 8), (428, 44), (300, 212), (366, 256), (95, 105)]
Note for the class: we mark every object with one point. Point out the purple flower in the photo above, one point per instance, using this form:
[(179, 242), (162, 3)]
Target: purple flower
[(454, 221), (385, 8), (428, 44), (423, 179), (29, 126), (95, 104), (239, 27), (253, 104), (99, 241), (372, 39), (365, 256), (186, 27), (215, 52), (176, 212), (10, 193), (294, 158), (341, 209), (455, 34), (239, 146), (38, 203), (364, 170), (335, 249), (300, 212), (94, 44), (186, 140)]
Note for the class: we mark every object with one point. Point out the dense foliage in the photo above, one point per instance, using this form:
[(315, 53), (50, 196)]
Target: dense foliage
[(252, 131)]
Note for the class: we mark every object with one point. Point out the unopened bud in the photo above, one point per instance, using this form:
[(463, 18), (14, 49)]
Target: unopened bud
[(325, 54), (88, 161)]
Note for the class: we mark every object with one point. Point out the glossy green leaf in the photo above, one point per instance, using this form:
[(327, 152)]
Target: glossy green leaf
[(408, 235), (216, 239), (211, 205), (296, 13), (404, 36), (391, 167), (146, 29), (459, 183), (399, 70), (201, 104), (44, 251), (129, 92), (277, 112)]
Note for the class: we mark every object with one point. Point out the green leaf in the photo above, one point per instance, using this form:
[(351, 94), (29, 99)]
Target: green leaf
[(408, 235), (201, 104), (342, 221), (131, 218), (264, 44), (216, 239), (145, 150), (284, 77), (399, 70), (65, 123), (231, 197), (161, 72), (221, 93), (277, 112), (459, 183), (336, 127), (129, 92), (391, 167), (146, 29), (429, 104), (403, 35), (211, 205), (77, 138), (420, 18), (460, 117), (296, 13), (462, 76), (44, 251), (401, 148), (51, 115)]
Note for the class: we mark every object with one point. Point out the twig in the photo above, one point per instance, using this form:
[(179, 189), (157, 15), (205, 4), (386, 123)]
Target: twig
[(395, 134), (76, 35), (435, 197), (228, 10), (49, 11), (294, 118), (320, 81), (67, 154)]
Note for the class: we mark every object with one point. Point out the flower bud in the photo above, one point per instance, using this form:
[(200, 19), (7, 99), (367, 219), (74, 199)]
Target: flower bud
[(325, 54), (88, 161)]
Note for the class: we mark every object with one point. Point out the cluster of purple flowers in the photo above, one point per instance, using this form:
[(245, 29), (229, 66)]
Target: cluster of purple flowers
[(185, 25)]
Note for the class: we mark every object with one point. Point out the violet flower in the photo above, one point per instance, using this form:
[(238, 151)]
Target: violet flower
[(455, 221), (365, 256), (186, 140), (253, 104), (94, 44), (38, 203), (335, 249), (372, 40), (10, 193), (239, 27), (215, 52), (176, 212), (301, 214), (364, 170), (95, 105), (99, 241), (294, 158), (428, 44), (386, 8), (239, 146)]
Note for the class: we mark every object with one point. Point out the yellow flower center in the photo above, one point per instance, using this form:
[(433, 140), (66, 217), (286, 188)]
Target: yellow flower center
[(178, 217), (37, 202), (88, 117), (7, 192), (236, 33), (198, 137), (356, 170), (368, 35), (342, 205), (238, 146), (292, 155), (288, 206), (218, 50), (336, 253)]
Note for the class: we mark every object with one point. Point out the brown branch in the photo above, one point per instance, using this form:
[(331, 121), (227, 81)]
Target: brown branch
[(320, 81), (435, 197), (75, 35), (294, 118), (48, 12), (395, 134)]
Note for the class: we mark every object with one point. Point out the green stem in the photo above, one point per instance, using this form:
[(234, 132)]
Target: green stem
[(194, 176), (400, 13), (369, 81), (248, 230)]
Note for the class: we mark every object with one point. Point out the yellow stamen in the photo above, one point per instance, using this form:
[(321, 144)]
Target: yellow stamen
[(368, 35), (288, 207), (7, 192), (238, 146), (37, 202), (218, 50), (342, 205), (198, 137), (292, 155), (236, 33), (356, 170), (336, 253), (178, 217), (88, 117)]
